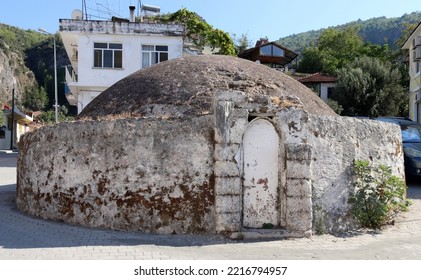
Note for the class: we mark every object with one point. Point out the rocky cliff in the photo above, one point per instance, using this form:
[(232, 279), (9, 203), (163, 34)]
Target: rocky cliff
[(14, 74)]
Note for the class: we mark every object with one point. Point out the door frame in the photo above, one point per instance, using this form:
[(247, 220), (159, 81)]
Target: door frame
[(280, 197)]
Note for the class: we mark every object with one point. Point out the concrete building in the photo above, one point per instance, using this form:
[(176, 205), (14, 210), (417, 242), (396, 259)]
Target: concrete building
[(320, 83), (103, 52), (413, 45), (18, 127)]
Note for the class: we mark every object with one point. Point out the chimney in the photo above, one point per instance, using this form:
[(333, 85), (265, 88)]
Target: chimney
[(132, 17), (261, 42)]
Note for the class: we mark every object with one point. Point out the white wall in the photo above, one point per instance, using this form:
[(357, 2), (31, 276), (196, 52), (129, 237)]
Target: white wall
[(5, 143), (94, 77), (18, 131), (323, 90), (84, 98)]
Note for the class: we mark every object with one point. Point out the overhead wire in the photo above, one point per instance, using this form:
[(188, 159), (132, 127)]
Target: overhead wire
[(95, 9)]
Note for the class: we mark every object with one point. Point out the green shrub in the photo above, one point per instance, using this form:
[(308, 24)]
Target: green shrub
[(49, 117), (378, 195)]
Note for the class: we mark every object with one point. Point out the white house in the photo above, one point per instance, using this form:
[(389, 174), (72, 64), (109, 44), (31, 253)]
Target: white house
[(103, 52), (413, 45), (322, 84), (20, 126)]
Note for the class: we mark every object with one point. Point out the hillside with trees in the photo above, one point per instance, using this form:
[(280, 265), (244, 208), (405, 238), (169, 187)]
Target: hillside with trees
[(371, 78), (27, 66), (379, 31), (14, 74), (370, 66)]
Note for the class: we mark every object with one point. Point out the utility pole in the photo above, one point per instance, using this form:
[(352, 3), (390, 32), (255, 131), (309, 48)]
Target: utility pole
[(13, 119), (55, 79), (55, 71)]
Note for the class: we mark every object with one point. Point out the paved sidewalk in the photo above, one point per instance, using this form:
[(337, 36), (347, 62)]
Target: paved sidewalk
[(23, 237)]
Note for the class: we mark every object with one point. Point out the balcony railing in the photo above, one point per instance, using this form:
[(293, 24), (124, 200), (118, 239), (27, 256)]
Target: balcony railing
[(71, 76)]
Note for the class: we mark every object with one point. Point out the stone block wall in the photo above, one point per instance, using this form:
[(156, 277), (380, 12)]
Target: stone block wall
[(230, 124), (298, 188), (321, 151), (136, 174), (233, 112)]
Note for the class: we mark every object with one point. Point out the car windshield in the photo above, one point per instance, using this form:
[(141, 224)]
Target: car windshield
[(411, 133)]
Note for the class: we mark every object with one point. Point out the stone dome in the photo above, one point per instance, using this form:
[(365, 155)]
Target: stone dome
[(186, 87)]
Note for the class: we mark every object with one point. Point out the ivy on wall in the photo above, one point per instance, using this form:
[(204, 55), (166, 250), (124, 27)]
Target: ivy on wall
[(200, 32)]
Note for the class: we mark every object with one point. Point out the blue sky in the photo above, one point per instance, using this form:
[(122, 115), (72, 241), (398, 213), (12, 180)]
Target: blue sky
[(264, 18)]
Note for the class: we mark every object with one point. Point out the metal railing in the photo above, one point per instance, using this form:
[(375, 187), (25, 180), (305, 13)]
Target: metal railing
[(71, 76)]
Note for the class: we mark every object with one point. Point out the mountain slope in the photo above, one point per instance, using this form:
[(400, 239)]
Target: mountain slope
[(13, 71), (379, 30), (27, 62)]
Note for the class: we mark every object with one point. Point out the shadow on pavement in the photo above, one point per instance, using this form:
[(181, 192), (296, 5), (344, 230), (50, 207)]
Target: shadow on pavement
[(8, 160), (21, 231), (414, 191)]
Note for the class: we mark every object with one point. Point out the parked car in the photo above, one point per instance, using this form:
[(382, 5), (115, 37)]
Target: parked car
[(411, 140)]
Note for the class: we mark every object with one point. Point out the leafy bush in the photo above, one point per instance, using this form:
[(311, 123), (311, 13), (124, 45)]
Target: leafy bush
[(334, 105), (49, 117), (378, 195), (36, 100), (369, 87), (201, 32)]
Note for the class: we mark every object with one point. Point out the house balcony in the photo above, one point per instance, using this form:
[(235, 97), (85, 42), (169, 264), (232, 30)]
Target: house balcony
[(71, 76), (71, 87)]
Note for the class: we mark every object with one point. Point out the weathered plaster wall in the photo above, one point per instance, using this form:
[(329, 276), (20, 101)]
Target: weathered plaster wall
[(146, 175), (345, 140), (328, 148), (187, 175)]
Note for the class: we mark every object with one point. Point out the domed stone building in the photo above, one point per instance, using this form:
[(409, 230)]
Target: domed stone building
[(188, 86), (203, 144)]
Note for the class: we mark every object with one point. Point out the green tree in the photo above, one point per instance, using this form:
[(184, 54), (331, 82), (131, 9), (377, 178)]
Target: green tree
[(242, 43), (200, 32), (36, 100), (408, 29), (335, 48), (370, 87), (377, 31), (402, 55), (49, 117), (311, 61), (340, 47), (382, 52)]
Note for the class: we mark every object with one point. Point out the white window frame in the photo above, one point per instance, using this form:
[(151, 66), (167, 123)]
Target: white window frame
[(417, 68), (113, 49), (271, 50), (153, 54)]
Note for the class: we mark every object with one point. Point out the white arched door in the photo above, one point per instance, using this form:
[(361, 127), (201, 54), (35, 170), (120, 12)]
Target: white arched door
[(260, 185)]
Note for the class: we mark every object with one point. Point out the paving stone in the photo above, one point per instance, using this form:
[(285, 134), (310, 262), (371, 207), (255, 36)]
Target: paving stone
[(24, 237)]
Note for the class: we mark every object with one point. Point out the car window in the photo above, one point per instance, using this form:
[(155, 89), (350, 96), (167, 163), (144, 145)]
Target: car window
[(411, 133)]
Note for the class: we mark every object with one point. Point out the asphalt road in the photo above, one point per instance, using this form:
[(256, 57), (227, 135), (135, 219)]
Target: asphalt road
[(24, 237)]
